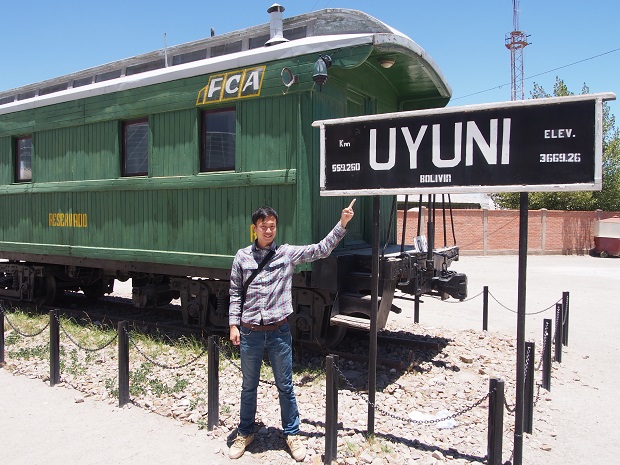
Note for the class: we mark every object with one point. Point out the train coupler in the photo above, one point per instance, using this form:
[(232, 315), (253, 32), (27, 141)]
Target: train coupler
[(451, 283)]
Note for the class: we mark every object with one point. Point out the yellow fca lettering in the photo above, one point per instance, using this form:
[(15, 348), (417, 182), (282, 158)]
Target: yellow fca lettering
[(215, 85), (68, 220), (232, 85)]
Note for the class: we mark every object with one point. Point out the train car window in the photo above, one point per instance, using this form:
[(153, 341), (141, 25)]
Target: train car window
[(189, 57), (23, 159), (144, 67), (108, 75), (225, 49), (83, 81), (136, 148), (218, 140), (26, 95)]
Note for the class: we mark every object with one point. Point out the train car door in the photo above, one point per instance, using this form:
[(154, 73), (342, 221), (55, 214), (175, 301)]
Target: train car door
[(357, 105)]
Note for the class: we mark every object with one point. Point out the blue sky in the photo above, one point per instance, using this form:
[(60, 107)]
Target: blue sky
[(572, 39)]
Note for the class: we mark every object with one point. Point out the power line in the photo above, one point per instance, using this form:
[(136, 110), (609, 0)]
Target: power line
[(540, 74), (575, 63)]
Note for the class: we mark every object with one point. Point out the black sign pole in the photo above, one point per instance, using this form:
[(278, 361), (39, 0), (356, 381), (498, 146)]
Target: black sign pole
[(374, 310), (520, 394)]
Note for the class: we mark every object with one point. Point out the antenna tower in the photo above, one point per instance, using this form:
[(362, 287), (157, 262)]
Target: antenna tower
[(516, 41)]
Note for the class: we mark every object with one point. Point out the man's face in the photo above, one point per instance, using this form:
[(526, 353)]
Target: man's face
[(265, 231)]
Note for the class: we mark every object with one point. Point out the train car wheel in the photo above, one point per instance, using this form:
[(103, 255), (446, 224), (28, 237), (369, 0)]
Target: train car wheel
[(333, 336), (45, 290)]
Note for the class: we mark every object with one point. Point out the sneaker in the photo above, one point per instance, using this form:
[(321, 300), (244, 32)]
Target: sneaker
[(239, 444), (297, 448)]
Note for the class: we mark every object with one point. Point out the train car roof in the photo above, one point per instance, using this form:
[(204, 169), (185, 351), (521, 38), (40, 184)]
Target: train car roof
[(414, 72)]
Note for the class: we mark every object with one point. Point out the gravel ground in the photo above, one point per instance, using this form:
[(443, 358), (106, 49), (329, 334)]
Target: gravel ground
[(432, 384)]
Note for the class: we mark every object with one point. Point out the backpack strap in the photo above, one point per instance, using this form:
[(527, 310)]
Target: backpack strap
[(261, 265)]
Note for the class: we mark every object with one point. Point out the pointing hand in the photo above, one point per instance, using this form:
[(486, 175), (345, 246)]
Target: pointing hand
[(347, 214)]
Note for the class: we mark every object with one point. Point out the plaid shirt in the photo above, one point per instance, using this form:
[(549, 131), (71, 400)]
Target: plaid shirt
[(269, 296)]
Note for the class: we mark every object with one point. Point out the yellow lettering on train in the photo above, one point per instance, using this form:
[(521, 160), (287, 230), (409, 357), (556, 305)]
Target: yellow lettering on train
[(232, 85), (67, 220)]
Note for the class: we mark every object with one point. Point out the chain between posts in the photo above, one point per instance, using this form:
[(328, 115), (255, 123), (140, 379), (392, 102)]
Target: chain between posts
[(363, 397), (20, 332), (542, 354), (537, 398), (528, 358), (410, 420), (97, 349), (530, 313), (508, 407), (458, 301), (498, 302), (161, 365)]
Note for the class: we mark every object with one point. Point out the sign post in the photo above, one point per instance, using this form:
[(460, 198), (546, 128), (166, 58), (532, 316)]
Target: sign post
[(540, 145), (374, 311), (521, 288)]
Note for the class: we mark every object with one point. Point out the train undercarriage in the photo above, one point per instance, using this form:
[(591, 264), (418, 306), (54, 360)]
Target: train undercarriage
[(327, 301)]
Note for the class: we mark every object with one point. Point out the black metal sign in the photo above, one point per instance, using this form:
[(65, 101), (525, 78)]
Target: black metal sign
[(534, 145)]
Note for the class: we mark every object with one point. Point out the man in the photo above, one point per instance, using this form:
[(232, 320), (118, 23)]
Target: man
[(258, 319)]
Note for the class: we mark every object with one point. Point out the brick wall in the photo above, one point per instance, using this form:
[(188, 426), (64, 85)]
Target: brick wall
[(494, 232)]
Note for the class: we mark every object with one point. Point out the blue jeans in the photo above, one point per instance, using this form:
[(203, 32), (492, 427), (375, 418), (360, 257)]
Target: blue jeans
[(278, 344)]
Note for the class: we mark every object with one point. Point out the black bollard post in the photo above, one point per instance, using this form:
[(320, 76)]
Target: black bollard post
[(565, 318), (2, 360), (416, 309), (213, 383), (329, 412), (335, 381), (496, 421), (54, 348), (485, 308), (558, 333), (528, 406), (546, 361), (123, 363), (331, 409)]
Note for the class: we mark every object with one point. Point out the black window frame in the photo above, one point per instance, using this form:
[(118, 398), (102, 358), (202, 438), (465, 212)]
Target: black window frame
[(126, 124), (203, 141), (17, 157)]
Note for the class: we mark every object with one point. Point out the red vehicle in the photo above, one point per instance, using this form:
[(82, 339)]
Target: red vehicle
[(607, 237)]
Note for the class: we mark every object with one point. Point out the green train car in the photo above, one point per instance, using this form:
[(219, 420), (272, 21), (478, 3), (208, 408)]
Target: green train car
[(149, 168)]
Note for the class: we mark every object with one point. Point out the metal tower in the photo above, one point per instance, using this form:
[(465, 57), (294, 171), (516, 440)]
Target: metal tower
[(516, 41)]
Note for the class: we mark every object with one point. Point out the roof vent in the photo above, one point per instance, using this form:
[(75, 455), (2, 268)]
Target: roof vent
[(276, 30)]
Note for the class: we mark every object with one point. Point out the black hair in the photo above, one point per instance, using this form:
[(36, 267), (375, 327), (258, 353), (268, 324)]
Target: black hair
[(262, 213)]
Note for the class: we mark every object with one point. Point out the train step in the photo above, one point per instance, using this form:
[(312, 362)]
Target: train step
[(351, 322), (362, 301)]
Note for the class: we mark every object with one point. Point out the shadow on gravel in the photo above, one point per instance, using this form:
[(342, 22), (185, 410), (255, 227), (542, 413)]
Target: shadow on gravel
[(397, 353), (266, 439), (411, 443)]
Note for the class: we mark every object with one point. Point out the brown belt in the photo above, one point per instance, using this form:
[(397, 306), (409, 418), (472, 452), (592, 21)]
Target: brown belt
[(270, 327)]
